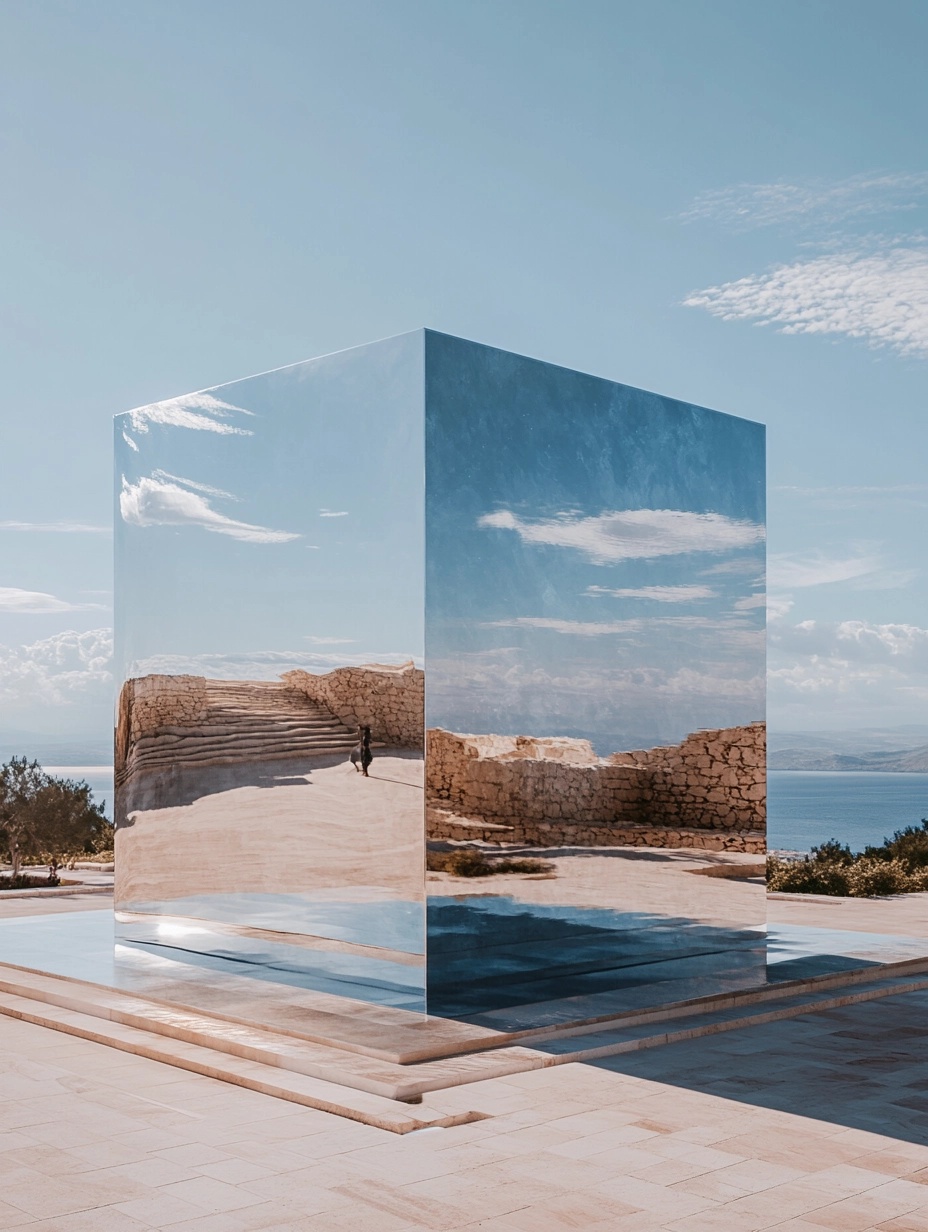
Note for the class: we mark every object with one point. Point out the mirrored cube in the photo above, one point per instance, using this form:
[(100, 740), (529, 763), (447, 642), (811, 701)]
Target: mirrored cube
[(442, 685)]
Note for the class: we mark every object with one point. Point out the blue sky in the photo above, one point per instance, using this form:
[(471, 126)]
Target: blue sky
[(722, 202)]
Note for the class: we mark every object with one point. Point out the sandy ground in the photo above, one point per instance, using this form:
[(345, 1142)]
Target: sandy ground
[(275, 828)]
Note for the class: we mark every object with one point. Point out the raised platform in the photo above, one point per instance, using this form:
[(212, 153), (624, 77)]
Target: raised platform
[(368, 1062)]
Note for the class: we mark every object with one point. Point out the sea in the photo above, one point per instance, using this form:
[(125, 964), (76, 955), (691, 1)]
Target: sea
[(804, 807), (859, 808)]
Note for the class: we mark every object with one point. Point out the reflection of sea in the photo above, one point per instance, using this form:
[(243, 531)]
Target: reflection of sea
[(100, 779), (805, 807)]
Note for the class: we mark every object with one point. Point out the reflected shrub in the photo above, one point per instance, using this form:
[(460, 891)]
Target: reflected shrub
[(472, 862)]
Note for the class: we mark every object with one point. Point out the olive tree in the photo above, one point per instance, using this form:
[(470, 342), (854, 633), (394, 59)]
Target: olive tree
[(45, 816)]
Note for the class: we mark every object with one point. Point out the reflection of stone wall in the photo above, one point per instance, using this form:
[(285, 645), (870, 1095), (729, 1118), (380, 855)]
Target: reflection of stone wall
[(390, 700), (150, 703), (708, 791)]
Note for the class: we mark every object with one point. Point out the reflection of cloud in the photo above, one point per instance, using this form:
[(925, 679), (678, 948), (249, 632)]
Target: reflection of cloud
[(260, 664), (632, 533), (617, 706), (592, 628), (658, 594), (58, 528), (879, 296), (162, 502), (749, 602), (743, 206), (66, 668), (199, 412), (37, 602)]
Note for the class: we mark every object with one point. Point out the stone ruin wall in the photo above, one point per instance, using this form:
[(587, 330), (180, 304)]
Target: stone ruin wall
[(149, 704), (709, 791), (390, 700)]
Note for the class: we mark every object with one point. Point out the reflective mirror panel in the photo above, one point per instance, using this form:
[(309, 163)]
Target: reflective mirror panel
[(269, 732), (595, 782)]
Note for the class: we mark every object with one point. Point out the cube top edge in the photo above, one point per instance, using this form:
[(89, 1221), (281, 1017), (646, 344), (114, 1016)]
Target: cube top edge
[(426, 333)]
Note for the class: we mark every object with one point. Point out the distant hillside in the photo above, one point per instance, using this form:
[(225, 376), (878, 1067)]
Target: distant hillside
[(898, 760)]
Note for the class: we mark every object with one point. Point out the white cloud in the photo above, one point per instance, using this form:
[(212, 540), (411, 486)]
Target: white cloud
[(631, 534), (333, 513), (744, 206), (657, 594), (155, 501), (58, 528), (788, 572), (750, 602), (199, 412), (330, 641), (592, 628), (881, 297), (37, 602), (67, 668), (851, 668)]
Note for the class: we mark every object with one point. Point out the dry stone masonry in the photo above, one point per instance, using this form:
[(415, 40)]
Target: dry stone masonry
[(708, 791), (390, 700), (166, 721)]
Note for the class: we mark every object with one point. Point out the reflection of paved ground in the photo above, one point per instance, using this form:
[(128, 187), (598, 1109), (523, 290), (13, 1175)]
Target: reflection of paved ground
[(278, 827), (816, 1123), (626, 879)]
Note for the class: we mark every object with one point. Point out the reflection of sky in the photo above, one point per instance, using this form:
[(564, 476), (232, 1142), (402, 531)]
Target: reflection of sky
[(595, 555), (275, 522)]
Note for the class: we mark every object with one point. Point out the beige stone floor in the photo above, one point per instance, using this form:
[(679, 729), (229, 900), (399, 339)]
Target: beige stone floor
[(815, 1123), (904, 915)]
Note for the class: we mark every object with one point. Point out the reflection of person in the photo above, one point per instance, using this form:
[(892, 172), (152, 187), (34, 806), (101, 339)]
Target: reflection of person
[(361, 755)]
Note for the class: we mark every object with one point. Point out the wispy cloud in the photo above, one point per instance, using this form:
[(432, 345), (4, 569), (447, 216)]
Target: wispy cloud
[(37, 603), (163, 501), (871, 572), (853, 489), (330, 641), (333, 513), (746, 206), (788, 572), (198, 412), (878, 296), (57, 528), (631, 534), (656, 594), (594, 628)]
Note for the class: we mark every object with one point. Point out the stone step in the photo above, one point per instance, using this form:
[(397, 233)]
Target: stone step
[(267, 1079), (244, 735), (230, 758), (227, 1045)]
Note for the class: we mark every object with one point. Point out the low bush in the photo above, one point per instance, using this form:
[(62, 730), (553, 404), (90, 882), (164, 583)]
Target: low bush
[(899, 866), (472, 862)]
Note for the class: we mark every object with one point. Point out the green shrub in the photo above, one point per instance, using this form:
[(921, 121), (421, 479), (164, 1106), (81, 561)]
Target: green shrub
[(808, 876), (899, 866)]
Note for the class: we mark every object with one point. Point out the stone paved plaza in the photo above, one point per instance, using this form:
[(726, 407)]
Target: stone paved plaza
[(799, 1125)]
